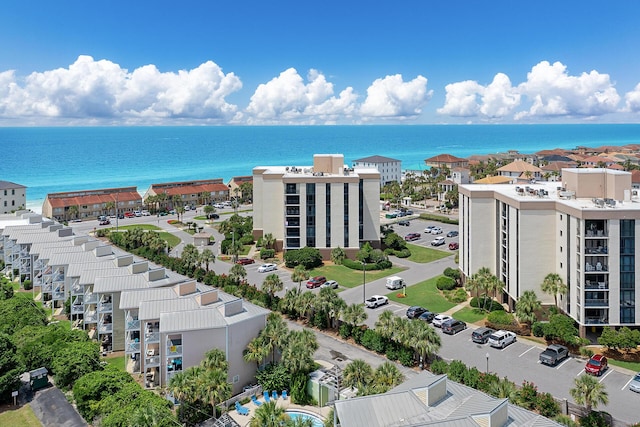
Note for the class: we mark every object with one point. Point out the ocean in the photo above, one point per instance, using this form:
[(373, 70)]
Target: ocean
[(49, 160)]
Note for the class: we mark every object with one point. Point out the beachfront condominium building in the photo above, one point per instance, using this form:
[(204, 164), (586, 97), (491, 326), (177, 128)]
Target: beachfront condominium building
[(13, 197), (583, 228), (390, 169), (91, 203), (186, 193), (324, 206)]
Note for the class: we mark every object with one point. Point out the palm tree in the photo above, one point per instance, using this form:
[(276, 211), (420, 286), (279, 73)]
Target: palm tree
[(179, 386), (553, 285), (388, 376), (357, 374), (272, 284), (268, 415), (384, 324), (299, 275), (237, 273), (268, 240), (354, 314), (214, 387), (207, 257), (328, 302), (304, 302), (274, 334), (72, 211), (526, 307), (109, 207), (215, 359), (423, 339), (589, 392), (503, 389), (256, 351), (338, 255), (190, 256), (297, 355), (208, 210)]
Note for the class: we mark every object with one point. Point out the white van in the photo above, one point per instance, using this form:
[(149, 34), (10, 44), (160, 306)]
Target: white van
[(394, 282)]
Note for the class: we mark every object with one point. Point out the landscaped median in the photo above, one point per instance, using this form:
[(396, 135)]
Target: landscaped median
[(425, 294), (350, 278)]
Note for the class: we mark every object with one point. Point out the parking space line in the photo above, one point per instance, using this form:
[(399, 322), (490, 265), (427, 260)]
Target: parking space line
[(606, 375), (563, 363), (627, 384), (526, 351), (580, 373)]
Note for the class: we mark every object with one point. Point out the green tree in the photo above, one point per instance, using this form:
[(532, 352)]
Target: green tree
[(214, 387), (503, 389), (215, 359), (237, 273), (10, 367), (385, 323), (74, 361), (272, 284), (300, 274), (256, 351), (91, 388), (268, 241), (354, 314), (207, 257), (274, 334), (423, 339), (590, 392), (269, 415), (553, 285), (16, 313), (526, 307), (297, 355), (338, 255), (357, 374), (387, 376)]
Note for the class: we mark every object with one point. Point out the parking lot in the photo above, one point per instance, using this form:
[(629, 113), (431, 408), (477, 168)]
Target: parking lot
[(519, 362), (426, 237)]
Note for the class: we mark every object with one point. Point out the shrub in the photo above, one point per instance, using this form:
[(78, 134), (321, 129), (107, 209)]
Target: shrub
[(267, 253), (486, 302), (586, 352), (472, 377), (456, 296), (391, 351), (310, 258), (454, 273), (403, 253), (537, 329), (501, 318), (547, 405), (457, 370), (345, 331), (373, 341), (528, 395), (445, 283), (406, 357), (439, 367)]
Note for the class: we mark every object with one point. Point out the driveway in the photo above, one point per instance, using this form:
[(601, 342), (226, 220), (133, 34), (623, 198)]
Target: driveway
[(53, 410)]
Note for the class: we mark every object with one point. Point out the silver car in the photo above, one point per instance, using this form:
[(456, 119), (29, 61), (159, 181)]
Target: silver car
[(634, 385)]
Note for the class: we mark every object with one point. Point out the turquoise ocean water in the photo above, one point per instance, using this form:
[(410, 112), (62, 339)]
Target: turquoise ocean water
[(50, 160)]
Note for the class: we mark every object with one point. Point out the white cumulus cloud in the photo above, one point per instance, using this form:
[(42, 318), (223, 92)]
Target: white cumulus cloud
[(462, 99), (471, 99), (288, 98), (391, 97), (553, 92), (632, 100), (102, 89)]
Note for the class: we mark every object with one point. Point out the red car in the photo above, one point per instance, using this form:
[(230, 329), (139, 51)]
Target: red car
[(129, 215), (596, 365), (315, 282), (245, 261), (411, 237), (453, 246)]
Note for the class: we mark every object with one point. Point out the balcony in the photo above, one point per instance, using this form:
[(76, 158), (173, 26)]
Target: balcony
[(595, 233), (58, 277), (77, 290), (596, 250), (105, 328), (77, 308), (596, 316), (596, 302), (90, 298), (59, 296), (90, 316), (174, 350), (150, 362), (132, 347), (596, 285), (596, 267), (105, 308), (47, 288), (151, 337), (132, 325)]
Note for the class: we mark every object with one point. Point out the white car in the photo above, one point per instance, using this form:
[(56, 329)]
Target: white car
[(501, 338), (145, 213), (267, 267), (436, 230), (330, 284), (218, 206), (376, 301), (439, 320)]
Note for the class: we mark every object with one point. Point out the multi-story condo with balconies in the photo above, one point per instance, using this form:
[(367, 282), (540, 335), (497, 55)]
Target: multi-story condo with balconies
[(13, 197), (323, 206), (583, 228)]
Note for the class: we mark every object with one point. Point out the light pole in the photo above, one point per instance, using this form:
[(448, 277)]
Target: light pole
[(487, 371), (364, 282)]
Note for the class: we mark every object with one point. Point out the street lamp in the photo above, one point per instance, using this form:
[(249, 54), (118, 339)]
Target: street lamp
[(487, 371), (364, 282)]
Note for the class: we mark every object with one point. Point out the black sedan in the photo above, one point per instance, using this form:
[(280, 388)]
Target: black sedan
[(415, 311)]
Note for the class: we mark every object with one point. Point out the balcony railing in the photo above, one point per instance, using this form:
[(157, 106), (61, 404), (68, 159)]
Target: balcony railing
[(152, 361), (90, 298), (59, 296), (133, 324), (596, 302), (595, 233), (77, 308), (47, 288), (174, 350), (600, 250), (132, 347), (105, 328), (596, 320), (596, 285), (90, 316), (152, 337), (104, 308), (77, 290), (596, 267)]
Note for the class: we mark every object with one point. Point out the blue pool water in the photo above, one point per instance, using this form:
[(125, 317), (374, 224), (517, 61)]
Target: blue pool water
[(317, 421)]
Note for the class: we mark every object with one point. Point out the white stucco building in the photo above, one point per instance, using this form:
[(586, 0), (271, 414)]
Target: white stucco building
[(390, 169), (584, 229)]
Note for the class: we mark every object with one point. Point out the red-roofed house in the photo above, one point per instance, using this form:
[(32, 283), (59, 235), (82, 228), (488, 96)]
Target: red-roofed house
[(90, 203), (191, 192), (447, 160)]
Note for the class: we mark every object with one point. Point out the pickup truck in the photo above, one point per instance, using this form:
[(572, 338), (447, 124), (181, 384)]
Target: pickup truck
[(554, 354)]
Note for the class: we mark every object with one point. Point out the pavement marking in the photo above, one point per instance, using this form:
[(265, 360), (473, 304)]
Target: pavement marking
[(529, 349), (627, 384), (563, 363), (580, 373), (606, 375)]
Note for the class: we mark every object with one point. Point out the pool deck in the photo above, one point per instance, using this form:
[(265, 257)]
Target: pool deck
[(287, 404)]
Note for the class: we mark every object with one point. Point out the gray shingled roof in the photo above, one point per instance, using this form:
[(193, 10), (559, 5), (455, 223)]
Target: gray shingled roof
[(376, 159), (7, 185)]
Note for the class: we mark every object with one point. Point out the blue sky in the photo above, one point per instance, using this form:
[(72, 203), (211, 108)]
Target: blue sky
[(331, 62)]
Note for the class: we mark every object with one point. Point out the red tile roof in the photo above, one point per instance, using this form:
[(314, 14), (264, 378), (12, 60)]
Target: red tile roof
[(190, 189), (92, 197), (445, 158)]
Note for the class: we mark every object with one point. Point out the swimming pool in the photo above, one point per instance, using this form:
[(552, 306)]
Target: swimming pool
[(317, 421)]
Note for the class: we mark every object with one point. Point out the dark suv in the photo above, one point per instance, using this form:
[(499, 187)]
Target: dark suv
[(453, 326), (481, 335), (427, 316), (415, 311)]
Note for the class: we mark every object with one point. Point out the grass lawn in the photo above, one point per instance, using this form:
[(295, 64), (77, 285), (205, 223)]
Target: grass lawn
[(118, 362), (143, 226), (23, 417), (634, 366), (351, 278), (171, 239), (425, 255), (470, 315), (424, 294)]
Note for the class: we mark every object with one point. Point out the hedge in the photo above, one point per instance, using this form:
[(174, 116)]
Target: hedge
[(445, 283), (479, 302)]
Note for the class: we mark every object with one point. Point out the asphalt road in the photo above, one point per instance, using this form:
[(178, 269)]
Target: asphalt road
[(53, 410), (518, 362)]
